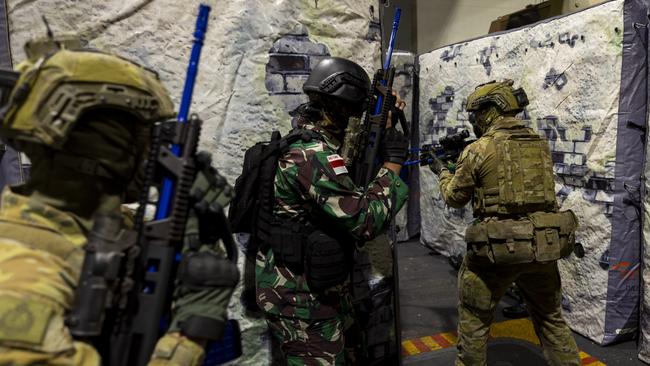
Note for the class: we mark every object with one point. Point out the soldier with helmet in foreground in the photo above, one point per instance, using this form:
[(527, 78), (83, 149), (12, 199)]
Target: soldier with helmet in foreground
[(84, 119), (517, 235), (303, 270)]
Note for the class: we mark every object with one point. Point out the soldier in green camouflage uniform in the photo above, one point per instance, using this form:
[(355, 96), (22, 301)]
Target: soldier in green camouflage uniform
[(84, 118), (518, 235), (312, 186)]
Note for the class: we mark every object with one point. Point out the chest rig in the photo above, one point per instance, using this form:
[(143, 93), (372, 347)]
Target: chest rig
[(525, 175)]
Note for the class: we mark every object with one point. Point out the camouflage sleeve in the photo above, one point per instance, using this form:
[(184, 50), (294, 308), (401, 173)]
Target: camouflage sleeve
[(362, 213), (457, 189)]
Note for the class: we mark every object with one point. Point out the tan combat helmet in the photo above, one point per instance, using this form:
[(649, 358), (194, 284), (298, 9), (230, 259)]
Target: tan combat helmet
[(500, 94), (60, 81)]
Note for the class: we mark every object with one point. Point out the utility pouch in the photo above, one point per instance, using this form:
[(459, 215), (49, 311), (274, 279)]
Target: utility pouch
[(287, 245), (554, 234), (501, 241), (326, 262)]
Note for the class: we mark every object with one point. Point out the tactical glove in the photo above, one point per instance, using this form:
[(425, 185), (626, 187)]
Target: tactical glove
[(394, 147), (437, 165), (175, 350)]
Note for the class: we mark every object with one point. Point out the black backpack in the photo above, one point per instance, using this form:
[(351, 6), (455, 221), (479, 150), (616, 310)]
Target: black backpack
[(254, 189)]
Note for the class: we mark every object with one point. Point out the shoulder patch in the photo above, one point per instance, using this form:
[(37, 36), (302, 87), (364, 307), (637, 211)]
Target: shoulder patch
[(337, 164)]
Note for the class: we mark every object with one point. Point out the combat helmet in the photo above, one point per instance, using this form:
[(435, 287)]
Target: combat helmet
[(59, 82), (340, 78), (500, 94)]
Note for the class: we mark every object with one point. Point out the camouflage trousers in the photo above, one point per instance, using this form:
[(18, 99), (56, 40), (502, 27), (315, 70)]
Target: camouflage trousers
[(319, 342), (480, 287)]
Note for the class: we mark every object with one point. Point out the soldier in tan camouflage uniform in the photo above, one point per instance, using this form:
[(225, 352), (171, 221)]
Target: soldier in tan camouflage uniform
[(83, 118), (518, 234), (318, 209)]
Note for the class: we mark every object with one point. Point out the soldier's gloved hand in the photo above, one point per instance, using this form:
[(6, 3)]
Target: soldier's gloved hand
[(210, 193), (437, 165), (175, 350), (394, 147)]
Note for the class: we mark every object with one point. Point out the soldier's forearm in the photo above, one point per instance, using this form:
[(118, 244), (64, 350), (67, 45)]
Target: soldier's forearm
[(395, 168)]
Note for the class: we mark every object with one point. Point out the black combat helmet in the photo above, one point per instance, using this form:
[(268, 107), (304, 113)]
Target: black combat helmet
[(338, 87), (340, 78)]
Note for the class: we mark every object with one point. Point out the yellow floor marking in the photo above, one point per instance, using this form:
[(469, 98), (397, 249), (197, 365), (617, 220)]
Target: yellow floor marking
[(516, 328), (429, 342), (410, 348), (450, 337)]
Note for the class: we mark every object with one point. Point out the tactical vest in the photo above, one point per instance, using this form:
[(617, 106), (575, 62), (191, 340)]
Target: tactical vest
[(525, 175), (302, 247), (519, 219)]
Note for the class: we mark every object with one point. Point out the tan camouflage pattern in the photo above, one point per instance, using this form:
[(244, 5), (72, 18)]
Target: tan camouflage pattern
[(68, 83), (480, 172), (498, 93), (40, 259), (481, 285), (175, 350)]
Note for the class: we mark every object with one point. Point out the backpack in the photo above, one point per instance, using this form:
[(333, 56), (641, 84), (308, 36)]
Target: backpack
[(251, 210)]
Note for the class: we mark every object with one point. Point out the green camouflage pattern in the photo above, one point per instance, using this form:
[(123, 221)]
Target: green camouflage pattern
[(306, 181), (40, 260), (309, 343), (481, 285)]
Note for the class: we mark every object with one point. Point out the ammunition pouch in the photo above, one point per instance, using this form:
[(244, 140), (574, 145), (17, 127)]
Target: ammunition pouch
[(541, 237), (286, 240), (204, 270), (501, 241), (326, 262), (305, 250), (554, 234)]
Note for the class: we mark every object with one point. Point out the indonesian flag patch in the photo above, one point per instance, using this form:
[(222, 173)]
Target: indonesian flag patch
[(338, 164)]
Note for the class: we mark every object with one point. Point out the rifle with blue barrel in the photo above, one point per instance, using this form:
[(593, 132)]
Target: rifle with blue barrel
[(125, 290), (360, 151), (360, 148)]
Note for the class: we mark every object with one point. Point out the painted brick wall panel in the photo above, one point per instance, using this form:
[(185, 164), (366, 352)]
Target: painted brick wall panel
[(570, 67), (240, 102)]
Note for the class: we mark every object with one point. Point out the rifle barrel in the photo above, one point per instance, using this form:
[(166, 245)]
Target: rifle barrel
[(186, 100), (393, 35)]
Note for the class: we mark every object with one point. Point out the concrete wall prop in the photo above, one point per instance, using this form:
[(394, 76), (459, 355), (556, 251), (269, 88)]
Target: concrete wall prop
[(255, 58), (406, 221), (571, 68)]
